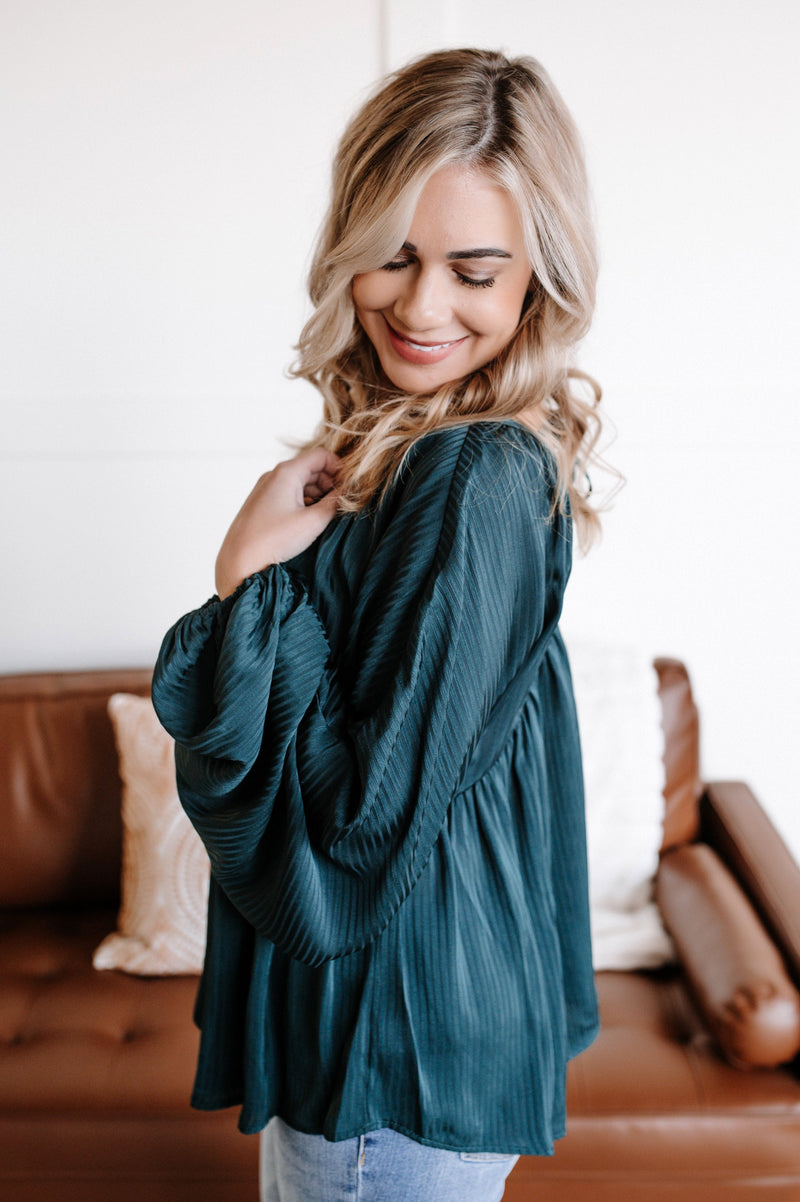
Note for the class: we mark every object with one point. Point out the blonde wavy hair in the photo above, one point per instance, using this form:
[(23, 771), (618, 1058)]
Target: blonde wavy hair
[(504, 118)]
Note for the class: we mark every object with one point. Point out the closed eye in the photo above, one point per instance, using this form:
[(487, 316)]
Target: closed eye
[(468, 280), (471, 282)]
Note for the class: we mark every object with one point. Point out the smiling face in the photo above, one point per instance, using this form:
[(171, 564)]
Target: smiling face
[(451, 298)]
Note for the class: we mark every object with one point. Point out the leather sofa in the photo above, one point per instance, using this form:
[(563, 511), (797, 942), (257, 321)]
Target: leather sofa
[(96, 1067)]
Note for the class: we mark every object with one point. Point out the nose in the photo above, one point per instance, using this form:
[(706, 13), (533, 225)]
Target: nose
[(422, 303)]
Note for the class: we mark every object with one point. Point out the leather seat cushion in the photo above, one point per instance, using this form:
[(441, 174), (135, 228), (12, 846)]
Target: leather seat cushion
[(653, 1104), (652, 1098), (73, 1037)]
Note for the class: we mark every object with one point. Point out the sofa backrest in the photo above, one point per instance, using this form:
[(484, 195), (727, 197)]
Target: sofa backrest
[(59, 787), (683, 785), (60, 791)]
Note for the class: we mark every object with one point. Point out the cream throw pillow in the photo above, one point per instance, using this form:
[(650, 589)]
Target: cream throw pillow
[(619, 714), (162, 920)]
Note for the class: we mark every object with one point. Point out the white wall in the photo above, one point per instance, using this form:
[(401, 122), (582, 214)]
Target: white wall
[(169, 163)]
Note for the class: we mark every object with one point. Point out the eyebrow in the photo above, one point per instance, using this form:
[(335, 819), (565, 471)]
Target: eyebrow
[(480, 252)]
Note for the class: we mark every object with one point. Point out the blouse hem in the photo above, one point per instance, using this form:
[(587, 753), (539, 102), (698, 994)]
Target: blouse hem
[(532, 1149)]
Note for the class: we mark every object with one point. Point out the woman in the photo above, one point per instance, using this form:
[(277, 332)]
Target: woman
[(375, 729)]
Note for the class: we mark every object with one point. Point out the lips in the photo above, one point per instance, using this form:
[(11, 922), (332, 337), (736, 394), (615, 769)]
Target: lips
[(421, 352)]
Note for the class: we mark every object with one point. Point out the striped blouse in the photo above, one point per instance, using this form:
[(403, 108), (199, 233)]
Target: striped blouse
[(377, 743)]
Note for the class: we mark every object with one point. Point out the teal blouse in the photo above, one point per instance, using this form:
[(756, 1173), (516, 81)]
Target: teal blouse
[(377, 743)]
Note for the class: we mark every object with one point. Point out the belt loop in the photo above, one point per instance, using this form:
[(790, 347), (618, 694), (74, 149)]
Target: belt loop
[(362, 1150)]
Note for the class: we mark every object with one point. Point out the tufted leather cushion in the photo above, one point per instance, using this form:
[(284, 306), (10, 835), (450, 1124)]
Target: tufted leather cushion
[(133, 1038), (95, 1075), (651, 1102)]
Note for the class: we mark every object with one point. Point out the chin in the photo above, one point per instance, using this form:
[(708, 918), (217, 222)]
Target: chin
[(422, 381)]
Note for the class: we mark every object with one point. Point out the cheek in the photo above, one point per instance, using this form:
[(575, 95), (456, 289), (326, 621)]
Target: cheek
[(514, 303), (502, 318), (373, 290), (497, 310)]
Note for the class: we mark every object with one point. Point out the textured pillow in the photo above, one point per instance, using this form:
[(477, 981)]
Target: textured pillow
[(622, 743), (165, 869)]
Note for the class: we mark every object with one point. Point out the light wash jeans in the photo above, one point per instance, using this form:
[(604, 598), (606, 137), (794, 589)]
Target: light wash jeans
[(382, 1166)]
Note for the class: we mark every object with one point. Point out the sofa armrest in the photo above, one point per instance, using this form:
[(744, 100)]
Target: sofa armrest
[(736, 826), (733, 968)]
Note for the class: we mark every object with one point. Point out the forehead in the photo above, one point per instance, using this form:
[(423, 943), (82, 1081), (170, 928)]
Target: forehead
[(462, 207)]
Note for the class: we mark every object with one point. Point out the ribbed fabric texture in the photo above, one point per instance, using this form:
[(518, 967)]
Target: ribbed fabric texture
[(377, 743)]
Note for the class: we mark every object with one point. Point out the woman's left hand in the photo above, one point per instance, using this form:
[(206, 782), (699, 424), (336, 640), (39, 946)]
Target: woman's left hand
[(286, 511)]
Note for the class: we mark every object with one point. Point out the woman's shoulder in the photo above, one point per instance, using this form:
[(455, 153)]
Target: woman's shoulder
[(496, 456), (493, 479)]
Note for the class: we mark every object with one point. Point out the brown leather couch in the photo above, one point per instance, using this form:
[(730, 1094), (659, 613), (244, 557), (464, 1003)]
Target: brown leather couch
[(96, 1067)]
